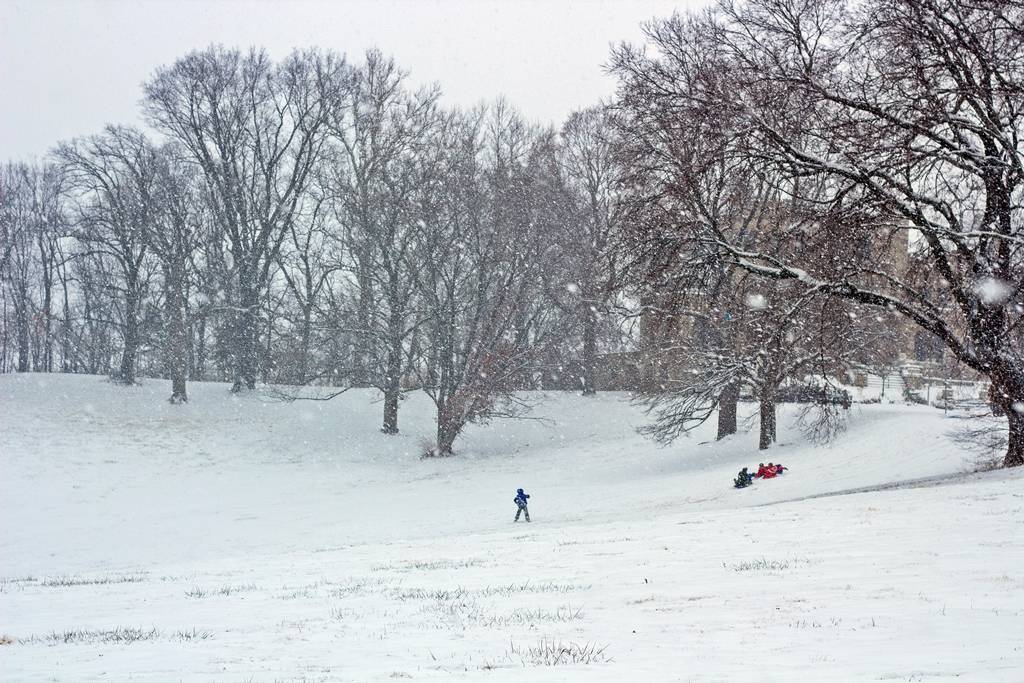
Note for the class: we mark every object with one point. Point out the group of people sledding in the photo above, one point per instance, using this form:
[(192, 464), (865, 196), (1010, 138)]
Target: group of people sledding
[(742, 480), (769, 471)]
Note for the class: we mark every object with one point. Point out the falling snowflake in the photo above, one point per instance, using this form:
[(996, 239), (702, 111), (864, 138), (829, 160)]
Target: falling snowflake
[(756, 301), (992, 291)]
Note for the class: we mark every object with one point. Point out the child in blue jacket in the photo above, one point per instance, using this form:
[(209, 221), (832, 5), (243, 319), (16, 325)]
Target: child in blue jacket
[(520, 500)]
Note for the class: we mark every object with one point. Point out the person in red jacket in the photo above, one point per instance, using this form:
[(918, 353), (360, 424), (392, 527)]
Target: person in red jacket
[(760, 471), (770, 471)]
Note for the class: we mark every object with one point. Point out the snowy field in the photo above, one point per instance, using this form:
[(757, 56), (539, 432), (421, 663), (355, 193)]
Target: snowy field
[(245, 539)]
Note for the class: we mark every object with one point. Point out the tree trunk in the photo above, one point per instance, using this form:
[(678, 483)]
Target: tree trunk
[(266, 364), (85, 335), (199, 350), (1015, 447), (21, 316), (447, 431), (589, 350), (767, 437), (392, 391), (3, 343), (177, 336), (47, 324), (364, 312), (131, 335), (391, 396), (65, 333), (246, 340), (307, 333), (1008, 394), (727, 410)]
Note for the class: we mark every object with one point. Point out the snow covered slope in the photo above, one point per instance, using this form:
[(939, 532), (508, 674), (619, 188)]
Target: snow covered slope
[(242, 538)]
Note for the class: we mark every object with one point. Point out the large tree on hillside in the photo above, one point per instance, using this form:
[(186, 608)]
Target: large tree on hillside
[(686, 173), (918, 107), (257, 130), (178, 228), (385, 158), (909, 114), (481, 284)]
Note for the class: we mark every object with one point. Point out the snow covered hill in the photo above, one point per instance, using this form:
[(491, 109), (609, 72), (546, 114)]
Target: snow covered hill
[(247, 539)]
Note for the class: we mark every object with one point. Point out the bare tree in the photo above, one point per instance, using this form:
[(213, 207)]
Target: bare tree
[(694, 178), (585, 270), (19, 223), (94, 315), (176, 232), (686, 173), (52, 230), (257, 130), (477, 284), (916, 108), (209, 311), (37, 216), (312, 256), (385, 162), (110, 183)]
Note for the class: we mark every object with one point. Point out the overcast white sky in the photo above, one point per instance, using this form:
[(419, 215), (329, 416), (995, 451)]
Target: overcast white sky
[(68, 67)]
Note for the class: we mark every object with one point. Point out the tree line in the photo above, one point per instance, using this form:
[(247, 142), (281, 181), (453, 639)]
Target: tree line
[(313, 221), (775, 188)]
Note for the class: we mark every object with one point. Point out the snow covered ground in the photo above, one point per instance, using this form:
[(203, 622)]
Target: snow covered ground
[(245, 539)]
